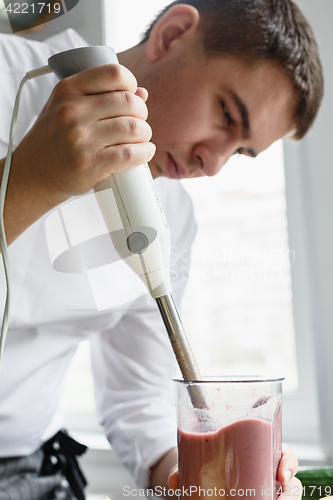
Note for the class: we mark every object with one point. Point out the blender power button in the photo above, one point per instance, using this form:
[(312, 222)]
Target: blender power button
[(137, 242)]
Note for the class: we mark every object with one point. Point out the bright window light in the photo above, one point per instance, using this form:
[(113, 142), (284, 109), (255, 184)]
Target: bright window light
[(237, 307)]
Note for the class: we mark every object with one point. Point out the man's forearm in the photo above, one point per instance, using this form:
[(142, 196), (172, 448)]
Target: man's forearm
[(23, 205), (161, 470)]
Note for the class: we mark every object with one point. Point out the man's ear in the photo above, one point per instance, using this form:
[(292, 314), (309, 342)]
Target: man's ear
[(180, 21)]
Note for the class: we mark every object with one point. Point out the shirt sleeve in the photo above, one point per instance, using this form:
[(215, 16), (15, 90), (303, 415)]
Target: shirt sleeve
[(133, 364), (17, 56)]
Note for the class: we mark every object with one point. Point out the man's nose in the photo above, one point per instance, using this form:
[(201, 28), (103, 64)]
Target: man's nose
[(212, 157)]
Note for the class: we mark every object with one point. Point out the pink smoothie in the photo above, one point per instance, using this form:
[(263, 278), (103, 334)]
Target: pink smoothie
[(238, 461)]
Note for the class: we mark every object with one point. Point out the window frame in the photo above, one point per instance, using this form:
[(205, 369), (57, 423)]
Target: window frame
[(305, 429), (309, 177)]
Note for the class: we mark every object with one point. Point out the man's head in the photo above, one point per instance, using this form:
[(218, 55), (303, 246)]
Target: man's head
[(226, 76)]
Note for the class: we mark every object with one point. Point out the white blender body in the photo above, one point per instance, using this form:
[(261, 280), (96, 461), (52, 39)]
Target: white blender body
[(127, 199), (144, 241)]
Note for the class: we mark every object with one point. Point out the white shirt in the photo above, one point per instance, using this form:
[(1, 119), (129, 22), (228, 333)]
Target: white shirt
[(52, 312)]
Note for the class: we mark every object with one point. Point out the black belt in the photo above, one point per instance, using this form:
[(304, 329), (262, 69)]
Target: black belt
[(60, 454)]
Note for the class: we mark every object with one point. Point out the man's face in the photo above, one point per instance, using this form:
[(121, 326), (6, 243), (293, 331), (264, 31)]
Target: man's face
[(202, 111)]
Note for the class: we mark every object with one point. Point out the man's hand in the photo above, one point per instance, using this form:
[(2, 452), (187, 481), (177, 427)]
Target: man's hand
[(288, 466), (93, 124), (162, 471)]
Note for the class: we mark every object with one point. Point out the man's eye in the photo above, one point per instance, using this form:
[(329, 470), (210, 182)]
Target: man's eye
[(226, 113)]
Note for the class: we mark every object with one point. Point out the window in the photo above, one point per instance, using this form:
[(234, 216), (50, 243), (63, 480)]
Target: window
[(237, 306)]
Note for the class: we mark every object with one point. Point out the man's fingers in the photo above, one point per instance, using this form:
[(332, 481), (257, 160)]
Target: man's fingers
[(143, 93), (113, 104), (122, 130), (173, 480), (288, 465), (116, 158), (104, 78), (292, 490)]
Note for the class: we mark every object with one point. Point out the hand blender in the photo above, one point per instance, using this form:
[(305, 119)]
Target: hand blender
[(129, 200)]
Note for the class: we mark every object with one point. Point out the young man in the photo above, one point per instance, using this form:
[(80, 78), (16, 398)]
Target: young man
[(223, 78)]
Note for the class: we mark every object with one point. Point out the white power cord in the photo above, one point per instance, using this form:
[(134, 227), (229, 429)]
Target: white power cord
[(43, 70)]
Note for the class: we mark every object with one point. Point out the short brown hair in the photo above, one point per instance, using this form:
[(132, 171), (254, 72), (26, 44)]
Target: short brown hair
[(256, 30)]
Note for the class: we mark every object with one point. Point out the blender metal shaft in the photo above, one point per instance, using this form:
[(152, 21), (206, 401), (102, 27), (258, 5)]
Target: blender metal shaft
[(182, 349)]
